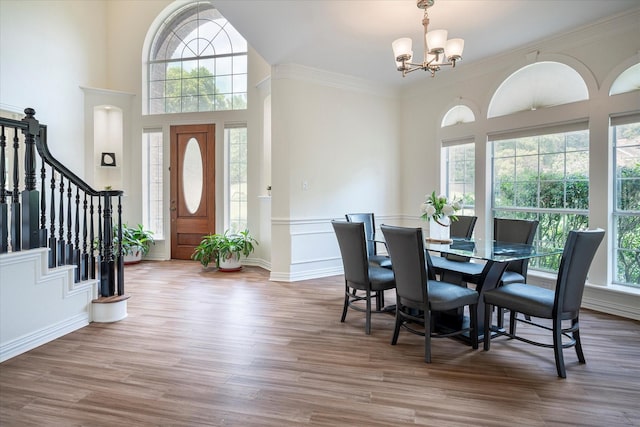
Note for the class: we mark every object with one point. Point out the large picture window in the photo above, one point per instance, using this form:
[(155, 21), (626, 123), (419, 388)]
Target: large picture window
[(543, 177), (626, 207)]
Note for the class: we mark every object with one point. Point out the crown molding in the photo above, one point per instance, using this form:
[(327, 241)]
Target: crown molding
[(330, 79)]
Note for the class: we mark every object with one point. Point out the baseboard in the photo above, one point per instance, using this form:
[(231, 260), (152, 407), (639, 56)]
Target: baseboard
[(37, 338), (305, 275)]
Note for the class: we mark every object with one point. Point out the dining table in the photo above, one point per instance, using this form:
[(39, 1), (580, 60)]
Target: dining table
[(488, 259)]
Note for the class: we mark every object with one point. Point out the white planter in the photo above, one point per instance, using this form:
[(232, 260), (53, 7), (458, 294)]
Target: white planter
[(132, 258), (440, 230), (230, 264)]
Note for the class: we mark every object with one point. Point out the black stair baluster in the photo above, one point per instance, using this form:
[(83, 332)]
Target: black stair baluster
[(16, 218), (4, 208), (100, 246), (61, 243), (43, 206), (69, 249), (76, 230), (94, 245), (84, 263), (53, 242), (120, 259)]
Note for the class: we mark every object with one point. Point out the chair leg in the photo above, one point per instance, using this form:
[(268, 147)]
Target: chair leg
[(487, 327), (346, 303), (427, 336), (557, 348), (513, 316), (576, 336), (500, 317), (379, 300), (396, 330), (473, 313), (367, 324)]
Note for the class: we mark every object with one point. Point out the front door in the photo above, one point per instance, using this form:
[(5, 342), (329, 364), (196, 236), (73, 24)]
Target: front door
[(192, 187)]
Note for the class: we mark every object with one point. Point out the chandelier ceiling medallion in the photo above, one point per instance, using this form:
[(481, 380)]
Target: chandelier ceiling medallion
[(438, 51)]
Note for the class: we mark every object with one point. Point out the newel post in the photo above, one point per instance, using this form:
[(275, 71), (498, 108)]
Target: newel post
[(30, 196)]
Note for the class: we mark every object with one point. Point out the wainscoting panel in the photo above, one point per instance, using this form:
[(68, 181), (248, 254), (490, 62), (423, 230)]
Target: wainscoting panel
[(38, 304)]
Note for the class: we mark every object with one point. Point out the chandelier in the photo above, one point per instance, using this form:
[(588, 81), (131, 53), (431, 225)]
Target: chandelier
[(438, 51)]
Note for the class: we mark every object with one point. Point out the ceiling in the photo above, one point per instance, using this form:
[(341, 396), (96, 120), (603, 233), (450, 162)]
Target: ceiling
[(354, 36)]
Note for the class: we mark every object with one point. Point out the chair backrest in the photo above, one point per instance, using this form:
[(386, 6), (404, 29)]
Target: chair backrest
[(463, 227), (354, 252), (515, 231), (369, 228), (579, 250), (408, 259)]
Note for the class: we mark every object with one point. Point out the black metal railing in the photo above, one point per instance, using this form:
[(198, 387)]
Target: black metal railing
[(78, 225)]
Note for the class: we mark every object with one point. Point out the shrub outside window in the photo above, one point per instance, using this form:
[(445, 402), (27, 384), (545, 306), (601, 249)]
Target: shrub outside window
[(544, 178)]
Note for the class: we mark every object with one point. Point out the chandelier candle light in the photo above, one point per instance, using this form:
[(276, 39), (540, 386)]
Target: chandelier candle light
[(438, 51), (439, 211)]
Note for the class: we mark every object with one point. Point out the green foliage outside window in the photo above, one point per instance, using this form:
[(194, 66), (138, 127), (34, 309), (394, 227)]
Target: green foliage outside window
[(199, 90), (627, 204)]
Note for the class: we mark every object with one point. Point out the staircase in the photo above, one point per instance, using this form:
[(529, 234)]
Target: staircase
[(59, 266)]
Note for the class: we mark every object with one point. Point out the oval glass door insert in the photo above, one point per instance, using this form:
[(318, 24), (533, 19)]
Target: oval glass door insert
[(192, 179)]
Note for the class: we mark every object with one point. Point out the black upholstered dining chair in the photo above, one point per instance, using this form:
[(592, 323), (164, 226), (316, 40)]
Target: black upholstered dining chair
[(515, 231), (363, 280), (461, 228), (418, 294), (368, 219), (561, 304)]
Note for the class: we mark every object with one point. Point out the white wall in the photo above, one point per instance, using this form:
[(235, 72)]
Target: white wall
[(49, 49), (335, 148)]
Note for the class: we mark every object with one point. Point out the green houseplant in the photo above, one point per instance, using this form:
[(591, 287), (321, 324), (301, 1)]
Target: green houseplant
[(135, 242), (224, 249)]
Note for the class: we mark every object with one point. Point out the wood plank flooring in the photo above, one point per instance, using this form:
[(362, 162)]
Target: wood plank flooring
[(204, 348)]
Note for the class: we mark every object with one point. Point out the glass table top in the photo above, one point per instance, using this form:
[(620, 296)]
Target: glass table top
[(492, 250)]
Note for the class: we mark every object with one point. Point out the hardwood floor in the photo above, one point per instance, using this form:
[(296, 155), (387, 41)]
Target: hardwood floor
[(203, 348)]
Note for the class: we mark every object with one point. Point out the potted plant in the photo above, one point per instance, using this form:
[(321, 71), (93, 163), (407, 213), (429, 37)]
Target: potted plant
[(224, 249), (135, 242)]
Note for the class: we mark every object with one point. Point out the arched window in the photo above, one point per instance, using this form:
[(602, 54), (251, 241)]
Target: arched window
[(458, 160), (197, 62), (541, 173), (535, 86), (458, 114), (627, 81)]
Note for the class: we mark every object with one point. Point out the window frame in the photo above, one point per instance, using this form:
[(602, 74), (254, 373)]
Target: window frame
[(618, 213), (544, 214)]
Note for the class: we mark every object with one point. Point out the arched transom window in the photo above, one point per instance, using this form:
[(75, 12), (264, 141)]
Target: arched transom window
[(197, 62)]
